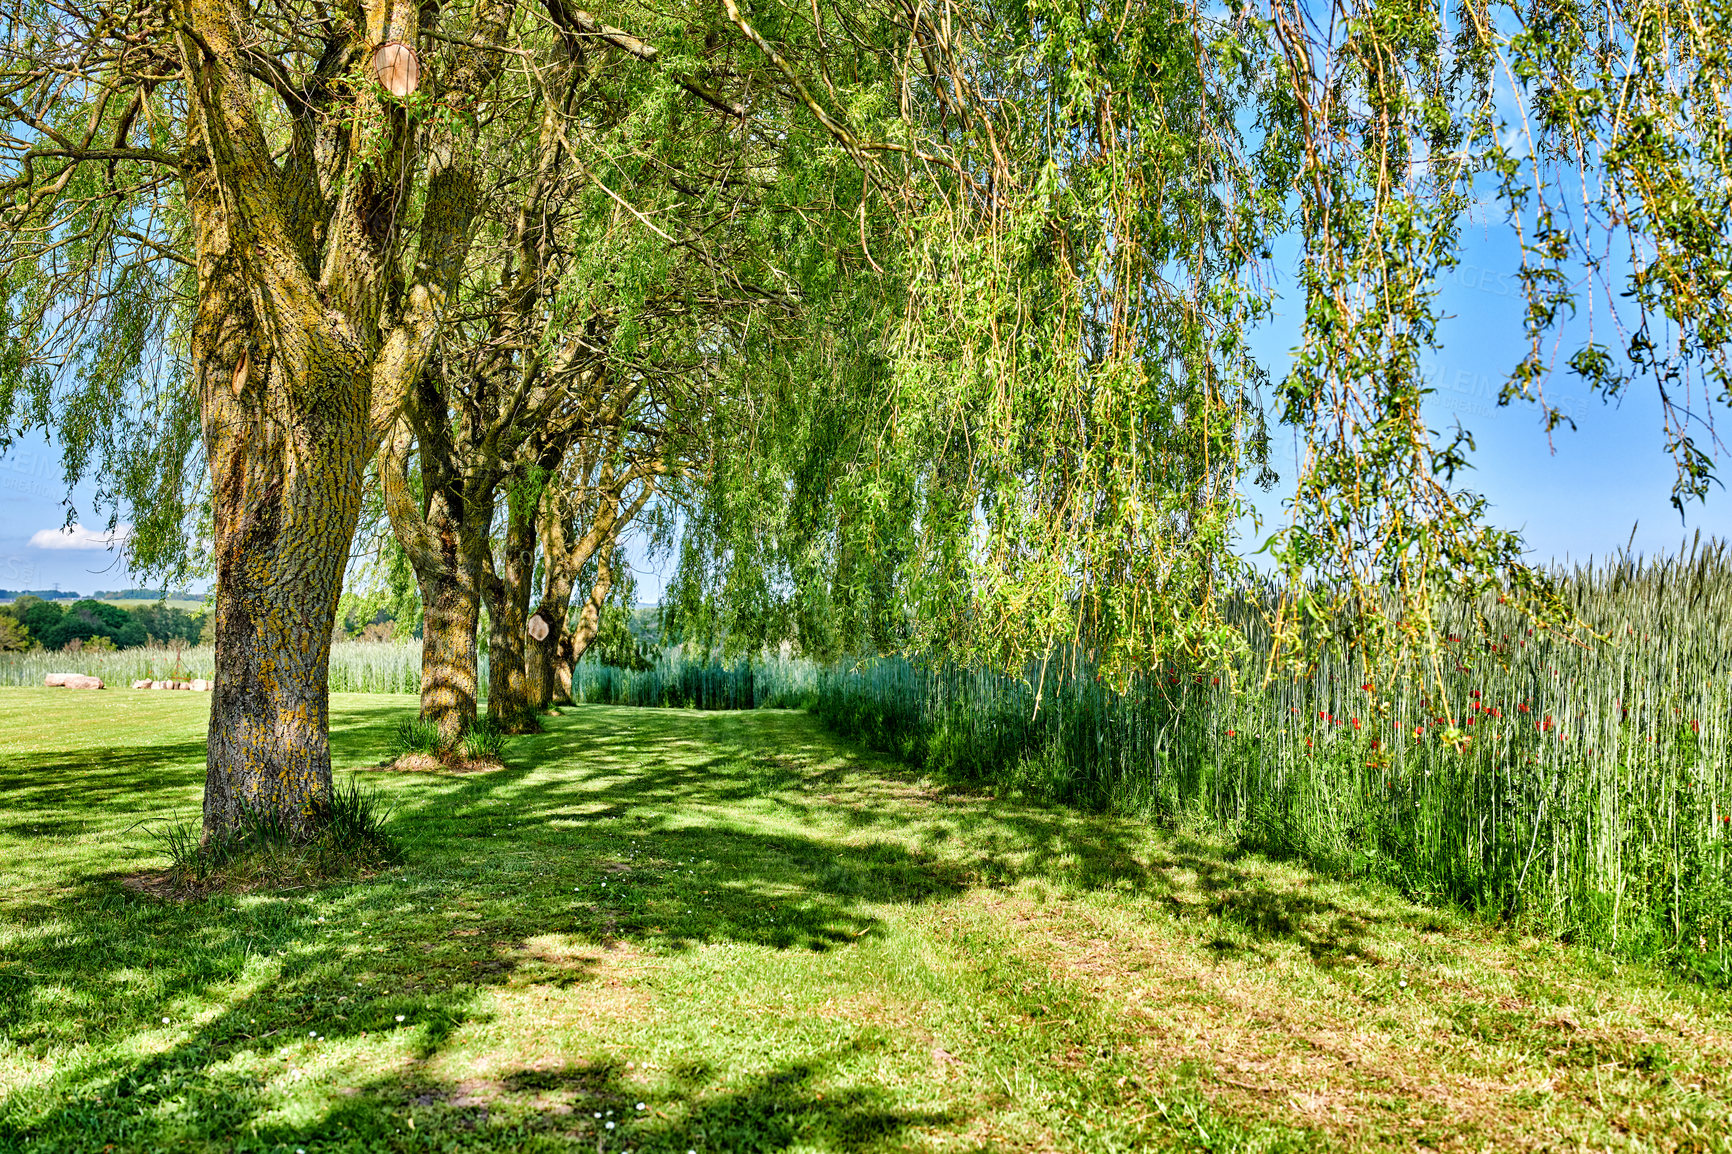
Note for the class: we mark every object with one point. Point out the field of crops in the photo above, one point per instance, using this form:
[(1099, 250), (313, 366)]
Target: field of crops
[(1582, 790), (356, 666)]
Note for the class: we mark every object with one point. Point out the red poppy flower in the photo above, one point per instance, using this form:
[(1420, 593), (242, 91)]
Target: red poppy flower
[(1523, 707), (1230, 733)]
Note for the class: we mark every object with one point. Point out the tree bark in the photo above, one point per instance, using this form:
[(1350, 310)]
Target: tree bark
[(547, 668), (450, 660), (507, 588), (301, 358), (286, 487), (444, 537)]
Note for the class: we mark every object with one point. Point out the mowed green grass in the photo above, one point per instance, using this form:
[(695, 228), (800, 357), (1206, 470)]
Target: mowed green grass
[(672, 931)]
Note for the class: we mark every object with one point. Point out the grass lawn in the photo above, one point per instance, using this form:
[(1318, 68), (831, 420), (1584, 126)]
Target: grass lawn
[(674, 931)]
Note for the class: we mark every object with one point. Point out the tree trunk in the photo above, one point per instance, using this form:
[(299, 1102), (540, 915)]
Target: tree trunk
[(589, 621), (287, 433), (303, 342), (444, 538), (285, 509), (547, 670), (507, 589), (285, 393), (450, 662)]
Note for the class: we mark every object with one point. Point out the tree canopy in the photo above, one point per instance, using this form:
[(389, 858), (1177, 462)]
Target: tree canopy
[(967, 284)]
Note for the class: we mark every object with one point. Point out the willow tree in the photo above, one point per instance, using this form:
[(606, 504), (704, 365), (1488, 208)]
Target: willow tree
[(653, 243), (233, 238), (313, 225), (1087, 201)]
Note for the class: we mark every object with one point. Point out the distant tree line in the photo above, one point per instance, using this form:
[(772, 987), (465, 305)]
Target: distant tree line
[(33, 622)]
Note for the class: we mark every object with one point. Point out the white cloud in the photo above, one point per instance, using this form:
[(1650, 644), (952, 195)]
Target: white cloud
[(78, 537)]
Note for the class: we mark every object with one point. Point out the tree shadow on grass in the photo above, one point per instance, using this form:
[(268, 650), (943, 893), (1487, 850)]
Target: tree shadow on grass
[(692, 1106), (485, 902), (987, 841), (705, 829), (959, 840), (293, 1063), (109, 782)]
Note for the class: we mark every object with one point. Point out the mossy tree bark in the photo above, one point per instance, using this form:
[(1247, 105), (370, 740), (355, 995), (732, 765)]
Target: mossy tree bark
[(444, 534), (507, 584), (305, 338)]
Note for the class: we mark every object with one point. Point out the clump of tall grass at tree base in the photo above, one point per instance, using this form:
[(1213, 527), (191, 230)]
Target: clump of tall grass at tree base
[(483, 740), (416, 735), (263, 850)]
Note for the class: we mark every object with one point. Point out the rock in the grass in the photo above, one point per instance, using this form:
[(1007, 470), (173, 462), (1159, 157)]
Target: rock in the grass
[(162, 685), (200, 685), (141, 684), (74, 681)]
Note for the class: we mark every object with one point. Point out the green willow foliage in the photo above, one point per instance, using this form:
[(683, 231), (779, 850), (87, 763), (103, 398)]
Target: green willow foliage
[(1085, 200), (1011, 405), (1056, 416), (1597, 134)]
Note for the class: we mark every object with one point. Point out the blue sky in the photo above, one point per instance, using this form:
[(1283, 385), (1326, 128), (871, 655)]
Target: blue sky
[(1577, 497)]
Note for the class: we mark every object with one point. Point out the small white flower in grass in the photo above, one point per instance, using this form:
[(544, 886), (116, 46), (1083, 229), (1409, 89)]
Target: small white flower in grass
[(610, 1125), (598, 1113), (312, 1033), (165, 1021), (399, 1017), (640, 1105)]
